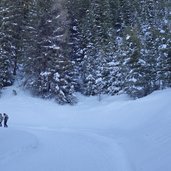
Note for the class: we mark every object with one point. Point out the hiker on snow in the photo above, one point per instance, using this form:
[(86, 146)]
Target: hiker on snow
[(5, 120), (1, 119)]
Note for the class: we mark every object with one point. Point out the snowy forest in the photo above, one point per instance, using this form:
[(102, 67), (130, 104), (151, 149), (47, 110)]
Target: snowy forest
[(55, 48)]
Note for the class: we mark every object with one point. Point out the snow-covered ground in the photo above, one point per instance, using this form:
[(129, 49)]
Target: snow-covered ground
[(115, 134)]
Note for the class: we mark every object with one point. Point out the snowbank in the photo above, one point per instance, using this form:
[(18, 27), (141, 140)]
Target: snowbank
[(116, 133)]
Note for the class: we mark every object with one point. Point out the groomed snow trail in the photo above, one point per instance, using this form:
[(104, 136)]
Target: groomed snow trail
[(68, 150)]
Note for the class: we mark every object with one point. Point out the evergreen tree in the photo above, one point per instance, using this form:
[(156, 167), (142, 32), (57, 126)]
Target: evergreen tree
[(97, 34), (47, 72), (9, 40), (76, 11)]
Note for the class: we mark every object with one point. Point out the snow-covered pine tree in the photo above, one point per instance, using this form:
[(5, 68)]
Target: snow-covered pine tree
[(163, 22), (116, 68), (97, 34), (148, 31), (136, 80), (76, 12), (10, 40), (30, 32), (49, 73)]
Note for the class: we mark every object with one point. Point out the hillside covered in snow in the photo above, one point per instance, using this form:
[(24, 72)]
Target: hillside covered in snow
[(114, 134)]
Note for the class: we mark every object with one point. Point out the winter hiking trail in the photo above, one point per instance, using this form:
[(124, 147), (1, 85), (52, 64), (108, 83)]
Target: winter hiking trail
[(70, 150)]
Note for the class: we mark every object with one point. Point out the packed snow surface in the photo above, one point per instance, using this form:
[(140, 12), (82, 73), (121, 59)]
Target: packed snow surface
[(114, 134)]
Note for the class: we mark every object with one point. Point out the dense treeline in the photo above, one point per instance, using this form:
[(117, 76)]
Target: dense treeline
[(57, 47)]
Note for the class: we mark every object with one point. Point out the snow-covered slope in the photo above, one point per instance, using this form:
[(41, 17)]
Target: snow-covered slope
[(115, 134)]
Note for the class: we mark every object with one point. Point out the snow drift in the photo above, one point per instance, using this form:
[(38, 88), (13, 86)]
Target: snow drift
[(116, 133)]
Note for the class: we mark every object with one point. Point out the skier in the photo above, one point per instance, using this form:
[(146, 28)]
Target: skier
[(5, 120), (1, 119)]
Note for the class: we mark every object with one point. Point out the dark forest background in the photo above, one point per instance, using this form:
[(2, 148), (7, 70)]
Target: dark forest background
[(55, 48)]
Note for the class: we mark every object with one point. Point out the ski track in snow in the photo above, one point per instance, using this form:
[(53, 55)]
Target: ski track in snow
[(71, 150)]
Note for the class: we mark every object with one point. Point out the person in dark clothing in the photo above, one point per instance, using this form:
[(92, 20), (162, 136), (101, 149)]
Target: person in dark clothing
[(5, 120), (1, 119)]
